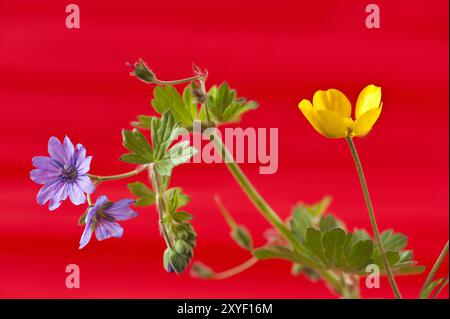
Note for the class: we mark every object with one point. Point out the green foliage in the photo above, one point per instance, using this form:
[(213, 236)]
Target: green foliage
[(225, 106), (182, 108), (325, 244), (145, 196), (137, 144), (164, 131)]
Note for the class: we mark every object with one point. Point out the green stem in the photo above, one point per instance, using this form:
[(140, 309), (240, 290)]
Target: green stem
[(438, 291), (373, 221), (435, 268), (160, 201), (226, 215), (235, 270), (118, 176), (175, 82), (253, 194)]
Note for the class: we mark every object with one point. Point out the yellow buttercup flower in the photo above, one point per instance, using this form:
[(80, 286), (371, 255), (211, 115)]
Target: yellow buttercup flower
[(330, 112)]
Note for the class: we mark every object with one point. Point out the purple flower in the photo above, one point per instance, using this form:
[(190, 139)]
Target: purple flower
[(63, 174), (102, 218)]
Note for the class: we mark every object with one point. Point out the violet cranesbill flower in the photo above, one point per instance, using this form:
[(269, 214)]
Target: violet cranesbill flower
[(102, 218), (63, 174)]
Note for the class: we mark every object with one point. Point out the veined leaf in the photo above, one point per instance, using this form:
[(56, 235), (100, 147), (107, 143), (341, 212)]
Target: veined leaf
[(168, 98), (136, 142), (145, 196)]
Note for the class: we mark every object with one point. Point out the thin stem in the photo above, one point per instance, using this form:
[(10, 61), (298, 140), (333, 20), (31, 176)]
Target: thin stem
[(88, 199), (373, 221), (160, 202), (226, 215), (134, 172), (235, 270), (175, 82), (435, 268), (253, 194), (441, 287)]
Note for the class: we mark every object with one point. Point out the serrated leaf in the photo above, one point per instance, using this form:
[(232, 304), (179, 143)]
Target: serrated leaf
[(167, 98), (242, 237), (143, 122), (145, 196), (329, 222), (336, 249), (360, 255), (300, 222), (181, 216), (182, 199), (393, 241), (137, 144), (224, 105)]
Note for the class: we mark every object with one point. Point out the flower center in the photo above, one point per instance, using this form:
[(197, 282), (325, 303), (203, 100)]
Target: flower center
[(69, 173)]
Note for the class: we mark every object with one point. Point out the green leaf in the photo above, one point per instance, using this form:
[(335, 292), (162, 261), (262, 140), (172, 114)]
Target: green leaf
[(336, 249), (164, 131), (137, 144), (224, 105), (145, 196), (181, 198), (393, 241), (167, 98), (181, 216), (143, 122), (300, 222), (329, 222), (242, 237)]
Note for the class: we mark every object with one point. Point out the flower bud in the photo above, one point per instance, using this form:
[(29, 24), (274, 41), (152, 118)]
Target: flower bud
[(183, 248), (142, 72)]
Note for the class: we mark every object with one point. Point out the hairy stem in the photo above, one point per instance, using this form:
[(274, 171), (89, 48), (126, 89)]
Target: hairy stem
[(161, 205), (235, 270), (253, 194), (175, 82), (373, 221), (435, 268), (134, 172), (441, 287)]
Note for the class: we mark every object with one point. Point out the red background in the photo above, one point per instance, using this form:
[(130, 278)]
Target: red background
[(55, 81)]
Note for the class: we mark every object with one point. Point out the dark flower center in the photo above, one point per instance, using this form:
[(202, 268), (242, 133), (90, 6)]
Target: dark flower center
[(69, 173)]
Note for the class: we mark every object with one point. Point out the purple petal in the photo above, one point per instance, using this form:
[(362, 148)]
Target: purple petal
[(76, 194), (85, 184), (84, 166), (44, 163), (87, 234), (121, 210), (48, 191), (61, 195), (80, 154), (56, 151), (101, 200), (68, 149), (106, 229), (44, 176)]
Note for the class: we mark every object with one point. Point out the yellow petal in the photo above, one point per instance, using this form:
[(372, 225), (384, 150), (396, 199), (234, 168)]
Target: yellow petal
[(364, 122), (332, 100), (332, 124), (308, 111), (369, 98)]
